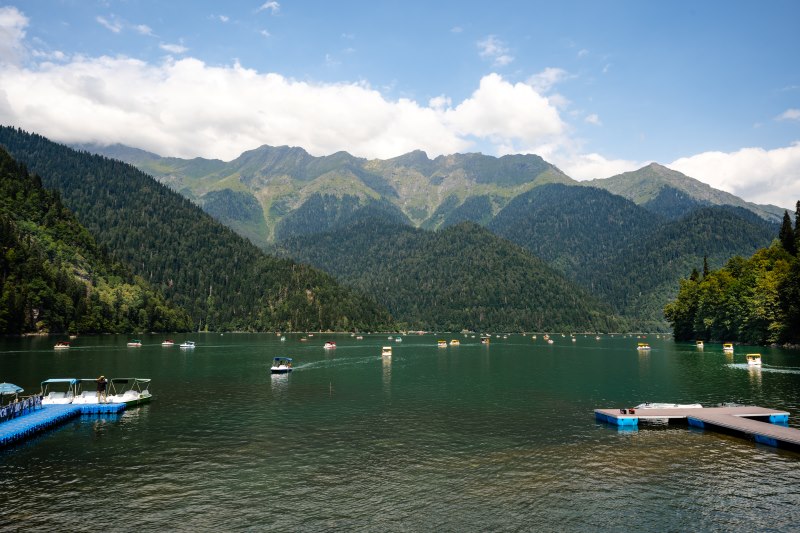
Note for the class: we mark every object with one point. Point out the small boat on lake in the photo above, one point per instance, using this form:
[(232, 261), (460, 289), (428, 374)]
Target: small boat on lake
[(486, 340), (753, 359), (441, 343), (699, 344), (727, 347), (168, 342), (283, 338), (188, 344), (360, 338), (398, 339), (281, 365), (642, 346), (649, 405), (455, 342), (386, 351), (61, 345), (53, 392), (330, 345), (130, 391), (135, 343)]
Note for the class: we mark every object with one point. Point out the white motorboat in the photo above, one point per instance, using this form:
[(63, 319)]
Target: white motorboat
[(753, 359), (130, 391), (398, 339), (61, 345), (648, 405), (187, 344), (642, 346), (441, 344), (386, 351), (330, 345), (58, 397), (281, 365), (135, 343), (168, 342)]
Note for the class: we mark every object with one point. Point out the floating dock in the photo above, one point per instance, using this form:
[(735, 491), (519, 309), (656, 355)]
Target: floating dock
[(30, 424), (763, 425)]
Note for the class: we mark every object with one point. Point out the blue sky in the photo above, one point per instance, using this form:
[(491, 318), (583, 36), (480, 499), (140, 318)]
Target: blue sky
[(711, 89)]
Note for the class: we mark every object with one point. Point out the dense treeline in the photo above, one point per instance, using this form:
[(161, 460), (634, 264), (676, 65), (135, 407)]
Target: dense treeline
[(461, 277), (54, 278), (754, 301), (622, 253), (221, 279)]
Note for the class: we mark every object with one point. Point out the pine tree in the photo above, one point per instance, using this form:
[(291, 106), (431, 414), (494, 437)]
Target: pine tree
[(786, 235), (797, 227), (706, 270)]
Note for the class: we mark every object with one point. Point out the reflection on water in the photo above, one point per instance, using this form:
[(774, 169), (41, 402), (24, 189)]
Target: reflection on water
[(421, 441)]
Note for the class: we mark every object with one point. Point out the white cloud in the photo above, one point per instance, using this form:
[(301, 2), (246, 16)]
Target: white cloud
[(583, 52), (493, 48), (546, 79), (111, 25), (789, 114), (456, 29), (272, 6), (173, 48), (265, 33), (592, 166), (756, 174), (12, 32), (593, 119), (144, 29)]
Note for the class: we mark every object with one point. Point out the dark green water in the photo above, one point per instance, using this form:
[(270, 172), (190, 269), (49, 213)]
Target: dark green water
[(469, 438)]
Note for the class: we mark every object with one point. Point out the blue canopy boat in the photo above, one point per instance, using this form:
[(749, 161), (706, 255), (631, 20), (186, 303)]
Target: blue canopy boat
[(58, 397), (281, 365)]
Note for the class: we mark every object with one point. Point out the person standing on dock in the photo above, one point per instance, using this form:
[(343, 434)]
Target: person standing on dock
[(101, 389)]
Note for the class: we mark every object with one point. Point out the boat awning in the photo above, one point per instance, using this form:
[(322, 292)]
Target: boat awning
[(10, 388), (289, 359), (71, 381)]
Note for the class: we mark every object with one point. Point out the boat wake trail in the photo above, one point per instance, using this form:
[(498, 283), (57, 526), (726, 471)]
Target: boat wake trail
[(765, 368), (331, 363)]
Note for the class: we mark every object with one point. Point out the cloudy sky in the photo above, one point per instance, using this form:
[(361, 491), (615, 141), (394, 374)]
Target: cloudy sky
[(708, 88)]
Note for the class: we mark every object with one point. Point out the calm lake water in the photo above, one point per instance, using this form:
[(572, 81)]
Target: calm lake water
[(468, 438)]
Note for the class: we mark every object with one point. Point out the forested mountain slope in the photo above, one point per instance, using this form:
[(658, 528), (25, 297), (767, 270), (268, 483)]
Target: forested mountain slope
[(460, 277), (221, 279), (53, 276), (622, 253)]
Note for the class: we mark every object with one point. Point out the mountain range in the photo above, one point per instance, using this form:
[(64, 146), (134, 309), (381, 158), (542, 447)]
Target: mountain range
[(465, 240)]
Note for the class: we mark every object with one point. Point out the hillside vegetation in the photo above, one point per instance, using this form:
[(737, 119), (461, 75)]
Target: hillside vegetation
[(221, 279), (53, 276), (460, 277), (754, 301)]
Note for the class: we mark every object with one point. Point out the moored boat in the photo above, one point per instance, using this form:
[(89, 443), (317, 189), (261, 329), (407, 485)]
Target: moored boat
[(91, 395), (130, 391), (61, 396), (386, 351), (649, 405), (753, 359), (281, 365)]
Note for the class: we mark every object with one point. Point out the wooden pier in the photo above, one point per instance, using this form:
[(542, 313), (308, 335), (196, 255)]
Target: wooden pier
[(763, 425)]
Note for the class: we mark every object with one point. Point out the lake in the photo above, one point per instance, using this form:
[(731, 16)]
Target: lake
[(468, 438)]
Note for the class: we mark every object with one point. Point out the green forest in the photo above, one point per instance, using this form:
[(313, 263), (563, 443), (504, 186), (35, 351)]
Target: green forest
[(460, 277), (53, 276), (753, 301), (222, 280)]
